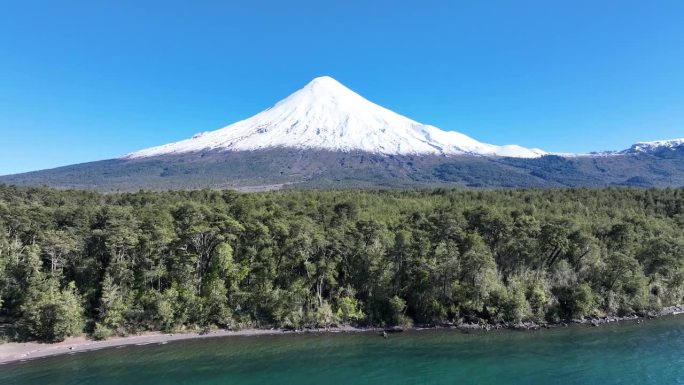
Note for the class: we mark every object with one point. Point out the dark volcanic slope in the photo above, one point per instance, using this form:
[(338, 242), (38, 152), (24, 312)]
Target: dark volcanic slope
[(275, 167)]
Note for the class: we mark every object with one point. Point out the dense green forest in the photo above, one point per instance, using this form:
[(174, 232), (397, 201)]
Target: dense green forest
[(76, 261)]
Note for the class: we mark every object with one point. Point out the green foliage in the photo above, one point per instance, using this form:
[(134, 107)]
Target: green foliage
[(349, 310), (324, 315), (582, 300), (101, 332), (538, 301), (51, 314), (397, 316), (204, 259), (113, 307), (516, 308)]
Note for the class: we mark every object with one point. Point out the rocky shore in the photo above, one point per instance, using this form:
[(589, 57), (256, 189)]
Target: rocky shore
[(589, 321), (22, 351)]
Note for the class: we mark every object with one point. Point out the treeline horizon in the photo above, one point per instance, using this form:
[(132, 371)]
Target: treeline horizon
[(76, 262)]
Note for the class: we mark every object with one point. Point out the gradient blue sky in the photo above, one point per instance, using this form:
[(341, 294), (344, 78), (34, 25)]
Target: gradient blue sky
[(89, 80)]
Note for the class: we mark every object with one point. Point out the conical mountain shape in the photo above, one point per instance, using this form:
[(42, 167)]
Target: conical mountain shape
[(325, 135), (329, 116)]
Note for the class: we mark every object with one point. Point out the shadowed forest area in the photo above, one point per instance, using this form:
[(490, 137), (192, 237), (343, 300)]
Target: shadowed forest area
[(115, 264)]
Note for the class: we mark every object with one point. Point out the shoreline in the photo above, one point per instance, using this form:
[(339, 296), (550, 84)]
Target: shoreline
[(12, 352), (25, 351)]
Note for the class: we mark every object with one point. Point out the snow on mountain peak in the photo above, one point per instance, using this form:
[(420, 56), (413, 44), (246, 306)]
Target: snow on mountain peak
[(327, 83), (327, 115), (656, 144)]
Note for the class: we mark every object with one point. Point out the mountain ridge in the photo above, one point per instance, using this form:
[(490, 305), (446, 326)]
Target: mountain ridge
[(326, 136), (277, 168)]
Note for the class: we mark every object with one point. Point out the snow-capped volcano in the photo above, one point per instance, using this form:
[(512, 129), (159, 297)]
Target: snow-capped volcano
[(327, 115), (327, 136)]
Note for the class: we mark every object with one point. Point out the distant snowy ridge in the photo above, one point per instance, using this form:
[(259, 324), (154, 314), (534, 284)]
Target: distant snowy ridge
[(327, 115), (654, 145), (636, 148)]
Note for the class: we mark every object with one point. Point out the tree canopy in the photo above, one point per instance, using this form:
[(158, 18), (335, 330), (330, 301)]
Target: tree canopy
[(113, 264)]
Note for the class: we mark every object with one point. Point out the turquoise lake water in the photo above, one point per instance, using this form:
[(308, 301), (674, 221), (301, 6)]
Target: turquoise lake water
[(647, 353)]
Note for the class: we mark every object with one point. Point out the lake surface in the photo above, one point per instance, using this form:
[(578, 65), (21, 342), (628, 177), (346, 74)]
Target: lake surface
[(647, 353)]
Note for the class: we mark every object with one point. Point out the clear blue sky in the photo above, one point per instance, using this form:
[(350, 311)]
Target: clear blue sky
[(89, 80)]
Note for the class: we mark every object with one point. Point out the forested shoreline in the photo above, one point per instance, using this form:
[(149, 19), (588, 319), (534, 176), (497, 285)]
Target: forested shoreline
[(116, 264)]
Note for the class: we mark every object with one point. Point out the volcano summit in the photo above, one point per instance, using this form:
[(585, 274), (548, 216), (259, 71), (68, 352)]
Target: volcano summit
[(325, 115)]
